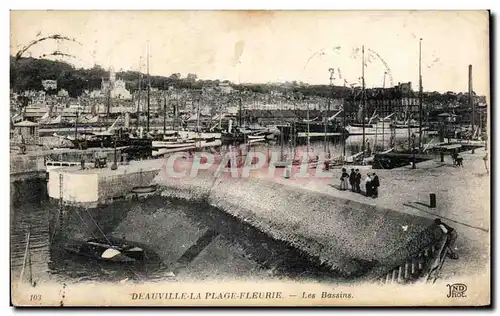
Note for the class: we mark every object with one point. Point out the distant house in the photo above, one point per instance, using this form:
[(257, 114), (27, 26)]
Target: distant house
[(225, 87), (116, 87), (62, 93), (25, 132), (404, 87), (49, 84), (35, 111), (94, 94), (119, 91)]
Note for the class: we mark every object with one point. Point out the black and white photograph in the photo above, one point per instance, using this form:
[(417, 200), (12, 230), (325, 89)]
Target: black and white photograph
[(249, 158)]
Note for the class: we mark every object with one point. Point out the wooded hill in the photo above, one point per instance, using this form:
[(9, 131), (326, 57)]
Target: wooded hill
[(28, 73)]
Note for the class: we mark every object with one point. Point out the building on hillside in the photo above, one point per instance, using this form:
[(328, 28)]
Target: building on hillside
[(25, 132), (225, 87), (400, 99), (119, 90), (115, 87), (63, 93), (49, 84)]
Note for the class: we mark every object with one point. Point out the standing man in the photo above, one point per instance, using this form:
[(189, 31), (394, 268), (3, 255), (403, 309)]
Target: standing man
[(375, 185), (352, 180), (357, 181)]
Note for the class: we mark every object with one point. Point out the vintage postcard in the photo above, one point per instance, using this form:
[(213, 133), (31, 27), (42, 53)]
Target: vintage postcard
[(250, 158)]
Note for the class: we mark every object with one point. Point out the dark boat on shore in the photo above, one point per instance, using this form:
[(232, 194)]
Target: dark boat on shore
[(145, 189), (99, 141), (90, 140), (106, 250)]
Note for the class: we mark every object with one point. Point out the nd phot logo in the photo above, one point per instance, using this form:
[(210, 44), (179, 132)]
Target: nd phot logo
[(456, 290)]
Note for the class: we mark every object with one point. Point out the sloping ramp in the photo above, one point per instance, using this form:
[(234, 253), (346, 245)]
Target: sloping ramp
[(422, 266)]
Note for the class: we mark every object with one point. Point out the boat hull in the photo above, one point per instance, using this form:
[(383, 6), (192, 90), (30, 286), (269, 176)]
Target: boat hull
[(106, 250), (371, 129)]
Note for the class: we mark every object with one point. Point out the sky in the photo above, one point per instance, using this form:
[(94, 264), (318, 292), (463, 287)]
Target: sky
[(273, 46)]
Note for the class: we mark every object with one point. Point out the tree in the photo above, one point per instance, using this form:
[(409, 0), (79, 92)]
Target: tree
[(191, 77), (176, 76)]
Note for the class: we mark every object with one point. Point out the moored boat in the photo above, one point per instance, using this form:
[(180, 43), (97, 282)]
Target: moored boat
[(106, 250)]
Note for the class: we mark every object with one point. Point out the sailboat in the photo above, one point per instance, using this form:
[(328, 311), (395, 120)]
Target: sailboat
[(57, 120), (44, 119), (105, 248)]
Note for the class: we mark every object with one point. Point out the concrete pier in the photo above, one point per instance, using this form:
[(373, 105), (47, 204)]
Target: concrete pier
[(350, 231), (90, 187)]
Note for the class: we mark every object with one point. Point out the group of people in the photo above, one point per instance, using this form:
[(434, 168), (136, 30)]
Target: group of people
[(353, 181)]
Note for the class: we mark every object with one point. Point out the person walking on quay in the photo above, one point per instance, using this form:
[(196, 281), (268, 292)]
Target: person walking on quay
[(452, 250), (344, 180), (357, 181), (485, 158), (352, 180), (375, 185), (368, 185)]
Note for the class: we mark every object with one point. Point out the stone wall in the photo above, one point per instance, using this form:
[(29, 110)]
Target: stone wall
[(26, 163), (346, 235), (120, 185)]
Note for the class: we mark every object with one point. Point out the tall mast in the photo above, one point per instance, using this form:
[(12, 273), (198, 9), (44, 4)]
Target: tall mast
[(308, 140), (363, 94), (220, 116), (76, 124), (282, 142), (325, 117), (139, 95), (240, 123), (331, 70), (384, 113), (175, 108), (471, 101), (149, 89), (294, 131), (198, 114), (164, 112), (108, 96), (420, 89), (343, 119)]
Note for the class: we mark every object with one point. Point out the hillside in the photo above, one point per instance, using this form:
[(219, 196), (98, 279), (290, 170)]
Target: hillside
[(28, 73)]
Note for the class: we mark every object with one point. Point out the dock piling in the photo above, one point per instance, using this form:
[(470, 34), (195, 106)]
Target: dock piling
[(432, 197)]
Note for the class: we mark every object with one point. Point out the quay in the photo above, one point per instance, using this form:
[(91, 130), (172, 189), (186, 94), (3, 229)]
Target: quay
[(351, 232), (348, 232)]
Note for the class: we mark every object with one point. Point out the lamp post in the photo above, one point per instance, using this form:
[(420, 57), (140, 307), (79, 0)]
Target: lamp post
[(413, 166)]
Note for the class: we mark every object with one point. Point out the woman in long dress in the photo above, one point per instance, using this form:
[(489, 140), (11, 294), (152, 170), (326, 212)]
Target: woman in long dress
[(343, 180), (346, 180)]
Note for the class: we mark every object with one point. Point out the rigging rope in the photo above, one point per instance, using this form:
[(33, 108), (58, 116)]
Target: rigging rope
[(99, 228)]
